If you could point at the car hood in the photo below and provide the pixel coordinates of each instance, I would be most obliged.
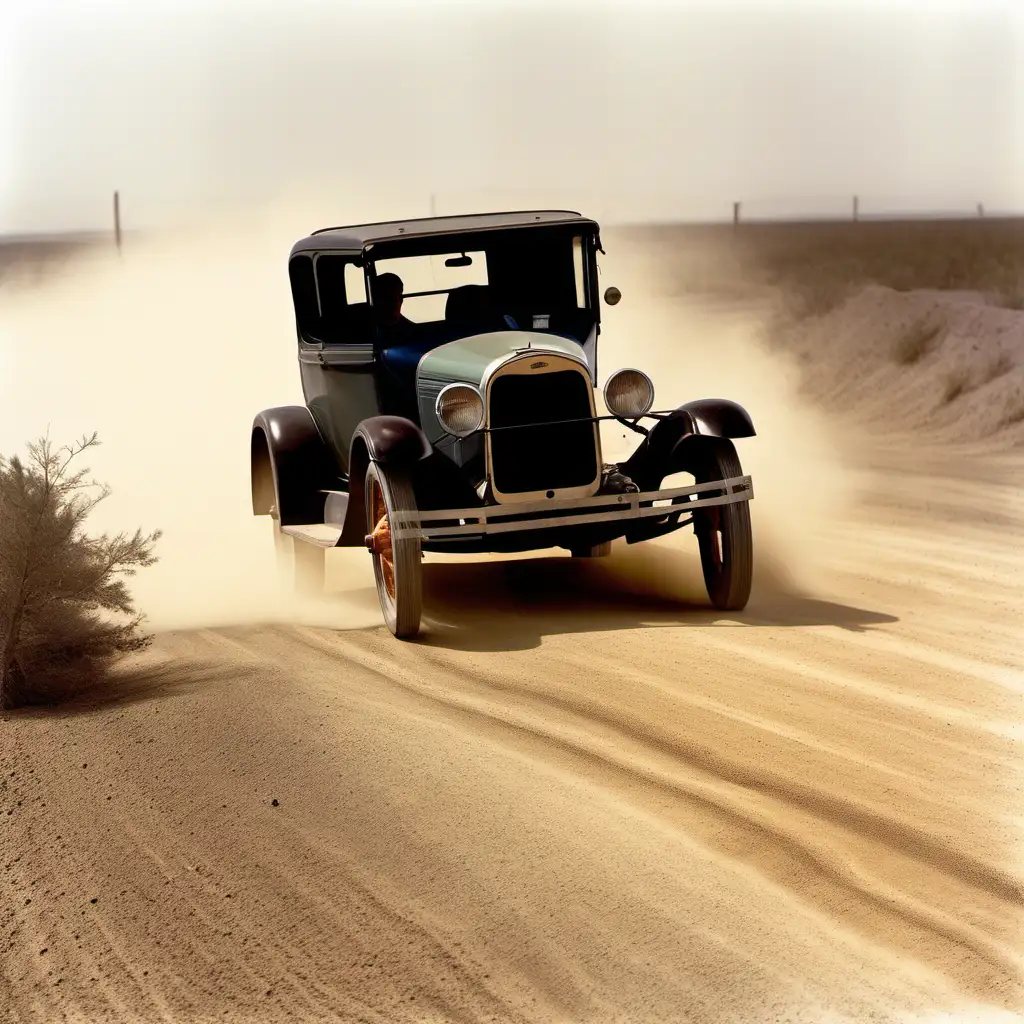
(471, 361)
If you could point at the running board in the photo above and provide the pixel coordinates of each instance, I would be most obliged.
(335, 508)
(323, 535)
(328, 533)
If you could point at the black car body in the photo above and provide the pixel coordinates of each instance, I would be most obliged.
(471, 423)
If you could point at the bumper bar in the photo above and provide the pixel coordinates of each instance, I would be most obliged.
(543, 515)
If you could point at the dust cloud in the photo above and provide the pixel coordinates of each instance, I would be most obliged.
(799, 462)
(169, 349)
(568, 802)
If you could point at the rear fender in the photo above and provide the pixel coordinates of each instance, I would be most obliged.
(291, 466)
(389, 441)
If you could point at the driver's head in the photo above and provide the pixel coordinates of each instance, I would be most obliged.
(387, 299)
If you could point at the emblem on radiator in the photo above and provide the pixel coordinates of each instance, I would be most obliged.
(537, 366)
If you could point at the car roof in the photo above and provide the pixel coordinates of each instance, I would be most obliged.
(355, 238)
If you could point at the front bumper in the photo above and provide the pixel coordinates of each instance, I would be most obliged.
(470, 523)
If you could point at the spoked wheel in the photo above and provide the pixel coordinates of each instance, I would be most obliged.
(300, 565)
(397, 562)
(723, 531)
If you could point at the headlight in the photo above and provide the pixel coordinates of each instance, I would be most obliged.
(629, 394)
(460, 408)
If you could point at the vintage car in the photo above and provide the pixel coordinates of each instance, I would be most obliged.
(449, 368)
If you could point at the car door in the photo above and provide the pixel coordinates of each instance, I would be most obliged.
(336, 361)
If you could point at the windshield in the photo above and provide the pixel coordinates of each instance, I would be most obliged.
(530, 275)
(534, 278)
(427, 280)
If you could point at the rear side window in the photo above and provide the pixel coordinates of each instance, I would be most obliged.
(355, 283)
(341, 297)
(304, 297)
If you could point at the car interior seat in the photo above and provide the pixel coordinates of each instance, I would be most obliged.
(467, 302)
(356, 325)
(468, 308)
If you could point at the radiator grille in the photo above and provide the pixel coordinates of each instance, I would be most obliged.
(548, 457)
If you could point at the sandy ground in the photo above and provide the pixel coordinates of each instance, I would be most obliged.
(577, 804)
(582, 796)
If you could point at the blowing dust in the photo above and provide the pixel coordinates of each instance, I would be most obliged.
(802, 474)
(168, 351)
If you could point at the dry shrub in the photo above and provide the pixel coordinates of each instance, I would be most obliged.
(65, 610)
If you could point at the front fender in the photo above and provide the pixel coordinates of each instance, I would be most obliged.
(390, 441)
(659, 454)
(715, 417)
(291, 466)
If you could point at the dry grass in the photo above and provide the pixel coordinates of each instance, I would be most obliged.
(816, 265)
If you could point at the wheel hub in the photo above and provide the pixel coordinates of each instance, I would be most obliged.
(710, 525)
(379, 543)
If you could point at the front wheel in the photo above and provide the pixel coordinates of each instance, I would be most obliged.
(397, 562)
(723, 531)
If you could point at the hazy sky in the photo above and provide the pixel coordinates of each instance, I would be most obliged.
(629, 109)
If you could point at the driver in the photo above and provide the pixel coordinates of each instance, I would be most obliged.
(387, 307)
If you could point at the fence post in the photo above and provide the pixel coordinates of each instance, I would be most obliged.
(856, 207)
(981, 209)
(735, 214)
(117, 219)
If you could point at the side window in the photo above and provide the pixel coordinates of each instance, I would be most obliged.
(341, 293)
(579, 268)
(304, 297)
(355, 284)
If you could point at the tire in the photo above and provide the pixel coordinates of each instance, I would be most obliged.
(723, 531)
(300, 565)
(400, 579)
(597, 551)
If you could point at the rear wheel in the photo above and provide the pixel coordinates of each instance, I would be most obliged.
(723, 531)
(596, 551)
(397, 563)
(301, 566)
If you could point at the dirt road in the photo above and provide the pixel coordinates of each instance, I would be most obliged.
(590, 800)
(582, 796)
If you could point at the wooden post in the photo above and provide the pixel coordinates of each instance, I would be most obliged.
(856, 207)
(117, 219)
(735, 214)
(981, 209)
